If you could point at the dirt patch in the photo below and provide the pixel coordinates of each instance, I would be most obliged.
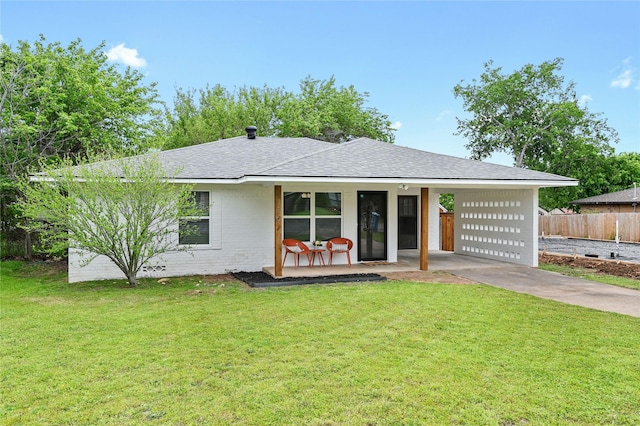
(427, 277)
(202, 292)
(216, 279)
(42, 268)
(205, 280)
(602, 266)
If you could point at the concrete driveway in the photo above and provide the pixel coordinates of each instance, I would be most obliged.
(545, 284)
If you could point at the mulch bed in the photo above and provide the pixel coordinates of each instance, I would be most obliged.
(262, 279)
(603, 266)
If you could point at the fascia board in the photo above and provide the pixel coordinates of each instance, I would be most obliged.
(37, 178)
(442, 183)
(205, 181)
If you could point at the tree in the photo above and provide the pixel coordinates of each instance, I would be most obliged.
(218, 113)
(530, 114)
(535, 117)
(624, 171)
(447, 201)
(580, 161)
(124, 209)
(323, 111)
(597, 174)
(320, 111)
(60, 101)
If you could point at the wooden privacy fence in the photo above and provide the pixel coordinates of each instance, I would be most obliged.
(600, 226)
(446, 223)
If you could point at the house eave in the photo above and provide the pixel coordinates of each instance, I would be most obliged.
(196, 181)
(417, 182)
(609, 203)
(435, 183)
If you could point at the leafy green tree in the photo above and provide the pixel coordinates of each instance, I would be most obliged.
(62, 101)
(125, 209)
(624, 171)
(530, 114)
(216, 113)
(535, 117)
(326, 112)
(320, 111)
(582, 162)
(447, 201)
(598, 175)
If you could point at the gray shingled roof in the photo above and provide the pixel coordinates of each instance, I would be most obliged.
(236, 157)
(240, 157)
(627, 196)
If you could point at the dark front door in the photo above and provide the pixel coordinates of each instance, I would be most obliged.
(407, 222)
(372, 225)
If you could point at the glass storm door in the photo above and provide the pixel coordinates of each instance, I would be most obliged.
(372, 225)
(407, 222)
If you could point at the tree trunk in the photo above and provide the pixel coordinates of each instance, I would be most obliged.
(28, 246)
(520, 156)
(133, 280)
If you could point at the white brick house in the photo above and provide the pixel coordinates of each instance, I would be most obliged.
(384, 197)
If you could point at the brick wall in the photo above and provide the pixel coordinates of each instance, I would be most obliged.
(499, 225)
(241, 235)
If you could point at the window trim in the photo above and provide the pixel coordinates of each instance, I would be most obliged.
(312, 216)
(208, 218)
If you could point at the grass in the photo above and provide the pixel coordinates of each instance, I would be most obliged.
(197, 351)
(590, 275)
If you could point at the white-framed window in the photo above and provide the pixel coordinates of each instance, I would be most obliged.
(312, 215)
(196, 230)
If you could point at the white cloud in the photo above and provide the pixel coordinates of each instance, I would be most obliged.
(444, 114)
(623, 80)
(626, 76)
(396, 125)
(126, 55)
(584, 99)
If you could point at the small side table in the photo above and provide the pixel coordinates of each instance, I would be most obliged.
(316, 250)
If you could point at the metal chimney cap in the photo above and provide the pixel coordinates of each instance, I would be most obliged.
(251, 132)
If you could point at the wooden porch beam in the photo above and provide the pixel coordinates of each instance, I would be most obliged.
(424, 229)
(277, 226)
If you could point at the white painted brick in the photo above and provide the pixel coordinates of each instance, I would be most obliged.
(242, 224)
(500, 225)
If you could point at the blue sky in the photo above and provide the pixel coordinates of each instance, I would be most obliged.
(407, 55)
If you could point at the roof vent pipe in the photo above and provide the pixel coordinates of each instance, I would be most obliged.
(251, 132)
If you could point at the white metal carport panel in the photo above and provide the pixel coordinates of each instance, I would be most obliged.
(498, 225)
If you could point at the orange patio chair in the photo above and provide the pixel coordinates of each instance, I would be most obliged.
(339, 245)
(295, 247)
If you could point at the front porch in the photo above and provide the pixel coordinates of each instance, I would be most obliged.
(408, 260)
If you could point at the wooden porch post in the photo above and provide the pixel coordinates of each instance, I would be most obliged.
(277, 215)
(424, 229)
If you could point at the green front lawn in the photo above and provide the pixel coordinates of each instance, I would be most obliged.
(196, 351)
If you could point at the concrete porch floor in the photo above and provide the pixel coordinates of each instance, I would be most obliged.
(408, 260)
